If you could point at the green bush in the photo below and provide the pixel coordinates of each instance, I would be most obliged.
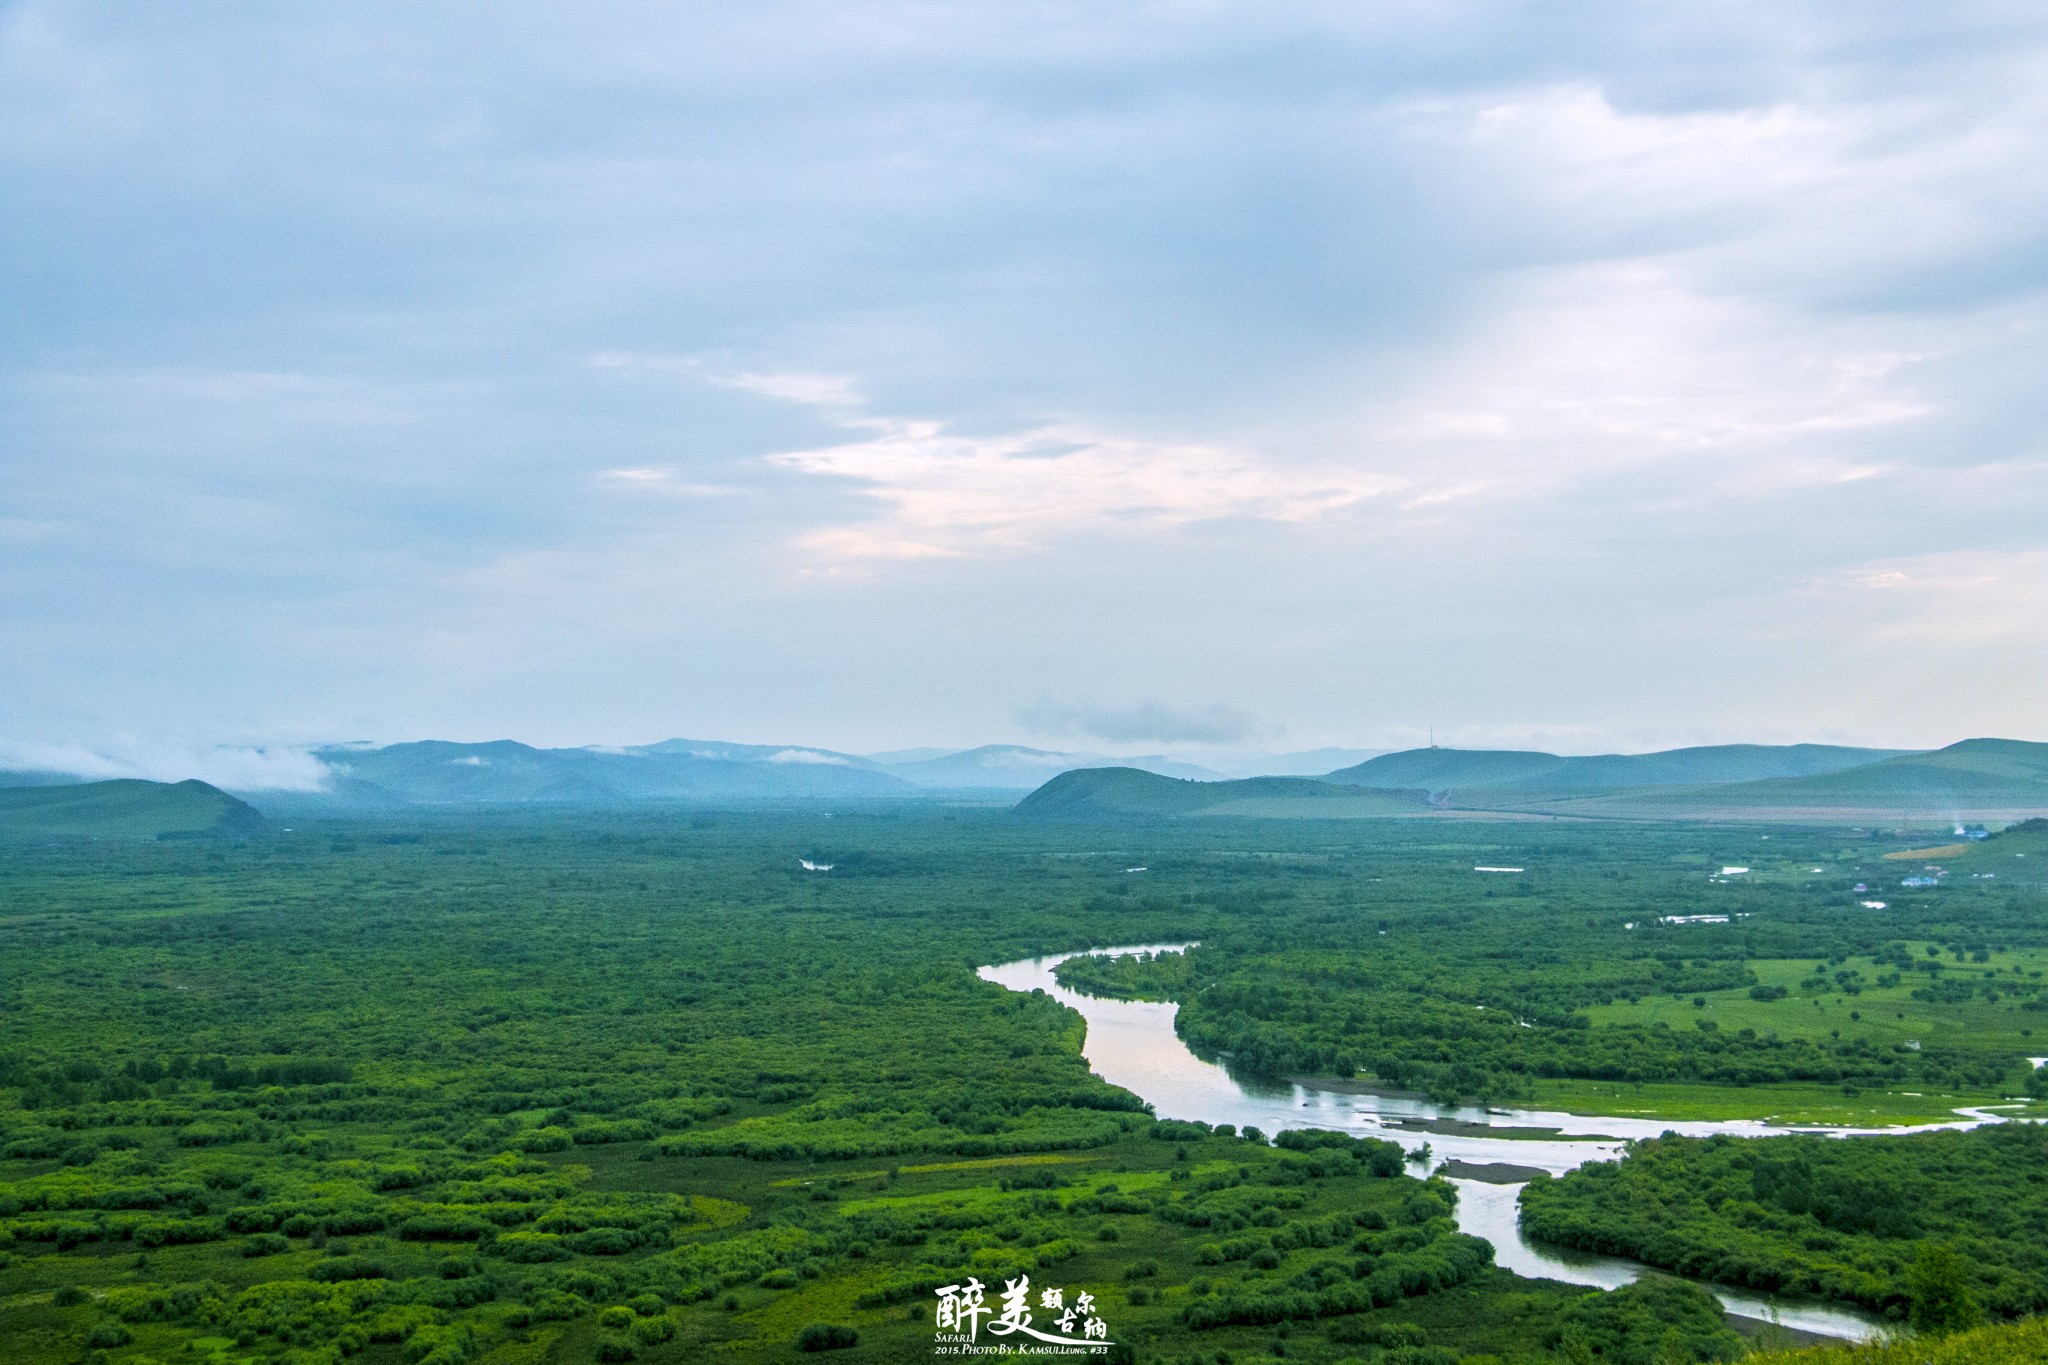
(544, 1140)
(265, 1244)
(108, 1333)
(654, 1331)
(530, 1248)
(826, 1336)
(338, 1268)
(603, 1242)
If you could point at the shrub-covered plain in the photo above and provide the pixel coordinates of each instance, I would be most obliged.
(642, 1087)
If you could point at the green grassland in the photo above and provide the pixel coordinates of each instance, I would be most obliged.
(1789, 1105)
(1816, 1006)
(1887, 1015)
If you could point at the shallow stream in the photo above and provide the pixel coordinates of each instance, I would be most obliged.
(1131, 1043)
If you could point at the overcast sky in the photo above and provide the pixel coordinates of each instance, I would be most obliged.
(1590, 377)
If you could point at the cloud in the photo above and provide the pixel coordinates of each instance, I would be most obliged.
(1968, 597)
(232, 767)
(805, 756)
(812, 390)
(533, 377)
(1148, 722)
(668, 481)
(944, 493)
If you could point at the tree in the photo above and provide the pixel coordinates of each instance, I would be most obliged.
(1939, 1286)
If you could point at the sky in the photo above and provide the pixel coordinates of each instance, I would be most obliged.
(1141, 375)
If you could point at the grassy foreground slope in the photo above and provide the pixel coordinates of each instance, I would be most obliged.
(126, 808)
(2023, 1343)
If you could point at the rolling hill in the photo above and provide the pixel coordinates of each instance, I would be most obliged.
(1491, 770)
(126, 808)
(1098, 793)
(1989, 779)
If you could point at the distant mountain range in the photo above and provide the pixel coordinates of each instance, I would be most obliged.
(364, 778)
(1494, 769)
(126, 808)
(1977, 779)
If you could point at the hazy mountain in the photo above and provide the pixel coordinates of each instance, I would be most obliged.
(746, 753)
(126, 808)
(1974, 775)
(1470, 770)
(38, 778)
(1017, 768)
(1300, 763)
(506, 772)
(1095, 793)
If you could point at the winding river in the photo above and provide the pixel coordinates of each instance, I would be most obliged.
(1131, 1043)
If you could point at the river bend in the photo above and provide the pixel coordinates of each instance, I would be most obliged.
(1131, 1044)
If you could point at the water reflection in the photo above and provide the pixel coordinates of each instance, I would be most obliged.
(1131, 1044)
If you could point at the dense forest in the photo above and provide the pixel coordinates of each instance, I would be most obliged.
(1820, 1217)
(528, 1089)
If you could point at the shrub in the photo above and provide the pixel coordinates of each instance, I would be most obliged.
(614, 1349)
(530, 1248)
(265, 1244)
(338, 1268)
(552, 1305)
(68, 1297)
(826, 1336)
(603, 1242)
(108, 1333)
(654, 1331)
(444, 1227)
(544, 1140)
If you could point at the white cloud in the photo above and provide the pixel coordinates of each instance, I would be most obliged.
(1959, 597)
(812, 390)
(233, 767)
(652, 479)
(944, 493)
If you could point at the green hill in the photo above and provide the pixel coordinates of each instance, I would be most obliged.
(1977, 778)
(124, 809)
(1097, 793)
(1495, 770)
